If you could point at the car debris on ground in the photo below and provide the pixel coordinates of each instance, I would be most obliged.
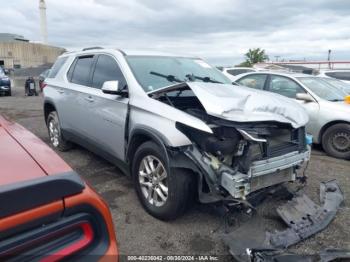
(303, 218)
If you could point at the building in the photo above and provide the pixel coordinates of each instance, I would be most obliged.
(18, 52)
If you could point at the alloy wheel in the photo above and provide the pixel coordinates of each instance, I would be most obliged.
(54, 133)
(153, 180)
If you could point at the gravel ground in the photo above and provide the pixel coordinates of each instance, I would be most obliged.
(199, 230)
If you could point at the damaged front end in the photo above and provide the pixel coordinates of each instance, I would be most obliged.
(264, 146)
(238, 162)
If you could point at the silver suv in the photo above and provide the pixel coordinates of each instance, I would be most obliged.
(176, 125)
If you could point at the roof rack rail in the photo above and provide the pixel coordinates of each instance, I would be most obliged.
(121, 51)
(91, 48)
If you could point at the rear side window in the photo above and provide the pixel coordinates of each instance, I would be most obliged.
(107, 69)
(339, 75)
(81, 71)
(57, 66)
(253, 81)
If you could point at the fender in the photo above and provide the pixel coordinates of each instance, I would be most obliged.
(145, 131)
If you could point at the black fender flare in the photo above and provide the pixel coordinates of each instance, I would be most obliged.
(150, 133)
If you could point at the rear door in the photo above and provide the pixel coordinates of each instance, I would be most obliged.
(79, 78)
(106, 113)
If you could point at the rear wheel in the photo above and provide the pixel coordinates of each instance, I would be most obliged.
(336, 141)
(164, 193)
(54, 128)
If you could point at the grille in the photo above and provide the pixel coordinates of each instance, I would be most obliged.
(279, 142)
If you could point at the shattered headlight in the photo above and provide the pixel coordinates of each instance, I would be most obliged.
(224, 141)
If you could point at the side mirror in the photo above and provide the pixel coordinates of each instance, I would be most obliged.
(110, 87)
(113, 88)
(304, 97)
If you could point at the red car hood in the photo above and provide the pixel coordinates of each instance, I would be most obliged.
(23, 156)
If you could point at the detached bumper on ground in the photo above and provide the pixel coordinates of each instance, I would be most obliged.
(303, 217)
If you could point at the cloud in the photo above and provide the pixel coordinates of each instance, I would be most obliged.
(219, 30)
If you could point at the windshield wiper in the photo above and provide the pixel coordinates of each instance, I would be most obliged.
(170, 78)
(192, 77)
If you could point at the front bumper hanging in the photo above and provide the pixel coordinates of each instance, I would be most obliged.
(303, 217)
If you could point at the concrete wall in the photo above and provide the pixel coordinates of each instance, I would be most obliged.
(27, 54)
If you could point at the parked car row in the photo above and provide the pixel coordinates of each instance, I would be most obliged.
(178, 126)
(5, 83)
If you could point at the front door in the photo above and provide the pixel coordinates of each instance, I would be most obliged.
(287, 87)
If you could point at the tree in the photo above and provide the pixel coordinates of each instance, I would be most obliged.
(254, 56)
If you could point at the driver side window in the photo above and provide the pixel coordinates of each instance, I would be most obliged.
(107, 69)
(284, 86)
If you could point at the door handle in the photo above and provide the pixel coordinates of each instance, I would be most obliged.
(89, 99)
(61, 91)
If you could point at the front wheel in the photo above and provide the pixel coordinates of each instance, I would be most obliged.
(55, 134)
(336, 141)
(162, 192)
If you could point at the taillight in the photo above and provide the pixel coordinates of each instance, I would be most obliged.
(43, 85)
(73, 247)
(54, 242)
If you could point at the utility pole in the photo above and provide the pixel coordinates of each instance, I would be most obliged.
(329, 58)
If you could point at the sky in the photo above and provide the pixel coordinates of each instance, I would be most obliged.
(221, 31)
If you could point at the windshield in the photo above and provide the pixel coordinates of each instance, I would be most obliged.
(155, 72)
(337, 83)
(323, 89)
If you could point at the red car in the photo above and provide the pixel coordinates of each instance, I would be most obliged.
(47, 212)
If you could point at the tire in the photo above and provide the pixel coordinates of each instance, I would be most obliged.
(55, 135)
(336, 141)
(9, 93)
(177, 182)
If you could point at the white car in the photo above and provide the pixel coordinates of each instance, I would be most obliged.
(328, 112)
(343, 75)
(233, 72)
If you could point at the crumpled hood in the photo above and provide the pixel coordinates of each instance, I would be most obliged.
(243, 104)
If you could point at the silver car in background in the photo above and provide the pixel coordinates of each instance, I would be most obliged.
(176, 124)
(329, 113)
